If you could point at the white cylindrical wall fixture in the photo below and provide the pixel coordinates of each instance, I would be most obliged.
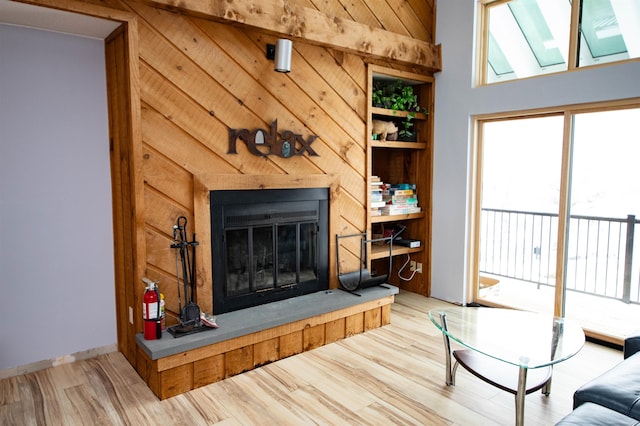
(282, 62)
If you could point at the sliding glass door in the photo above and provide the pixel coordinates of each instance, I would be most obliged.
(521, 175)
(601, 272)
(558, 196)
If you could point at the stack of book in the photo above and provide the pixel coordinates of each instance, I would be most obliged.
(400, 199)
(377, 202)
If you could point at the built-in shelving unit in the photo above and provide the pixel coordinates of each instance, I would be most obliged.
(400, 162)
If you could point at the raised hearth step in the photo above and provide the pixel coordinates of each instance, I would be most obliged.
(263, 317)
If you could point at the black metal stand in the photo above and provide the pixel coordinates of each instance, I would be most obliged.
(362, 278)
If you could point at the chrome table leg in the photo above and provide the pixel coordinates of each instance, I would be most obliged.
(447, 349)
(520, 395)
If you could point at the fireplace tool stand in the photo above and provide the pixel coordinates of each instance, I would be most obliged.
(362, 278)
(186, 267)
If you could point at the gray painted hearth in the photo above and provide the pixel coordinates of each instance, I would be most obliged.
(263, 317)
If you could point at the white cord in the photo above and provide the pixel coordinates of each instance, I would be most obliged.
(402, 268)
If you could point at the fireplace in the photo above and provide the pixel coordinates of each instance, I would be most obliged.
(268, 245)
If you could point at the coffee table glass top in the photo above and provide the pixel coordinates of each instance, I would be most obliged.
(524, 339)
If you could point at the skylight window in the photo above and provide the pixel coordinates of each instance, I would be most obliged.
(532, 37)
(497, 59)
(525, 38)
(535, 27)
(610, 29)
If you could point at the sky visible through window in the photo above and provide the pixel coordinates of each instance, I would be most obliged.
(522, 160)
(521, 164)
(606, 175)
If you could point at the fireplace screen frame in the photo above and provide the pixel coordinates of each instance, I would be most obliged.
(253, 209)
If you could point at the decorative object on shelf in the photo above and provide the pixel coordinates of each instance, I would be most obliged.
(280, 53)
(398, 96)
(384, 130)
(261, 142)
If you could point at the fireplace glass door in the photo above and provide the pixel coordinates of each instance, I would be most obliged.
(257, 261)
(268, 245)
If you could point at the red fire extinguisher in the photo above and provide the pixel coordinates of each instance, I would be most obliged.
(151, 311)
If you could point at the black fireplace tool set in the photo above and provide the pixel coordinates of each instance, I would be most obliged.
(191, 318)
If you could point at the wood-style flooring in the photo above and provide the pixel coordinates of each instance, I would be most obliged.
(393, 375)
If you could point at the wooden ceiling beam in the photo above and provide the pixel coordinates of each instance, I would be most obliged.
(284, 19)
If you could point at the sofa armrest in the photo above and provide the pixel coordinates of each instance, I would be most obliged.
(632, 344)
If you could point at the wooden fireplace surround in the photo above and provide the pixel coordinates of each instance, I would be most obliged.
(203, 185)
(194, 361)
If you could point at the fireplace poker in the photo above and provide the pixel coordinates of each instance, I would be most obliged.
(175, 245)
(190, 313)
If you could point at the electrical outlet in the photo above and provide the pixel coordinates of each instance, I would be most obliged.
(419, 267)
(130, 314)
(412, 266)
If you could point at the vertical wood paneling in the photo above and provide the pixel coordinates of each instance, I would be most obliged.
(116, 84)
(266, 352)
(335, 330)
(291, 344)
(238, 360)
(313, 337)
(372, 319)
(176, 381)
(354, 324)
(385, 315)
(208, 370)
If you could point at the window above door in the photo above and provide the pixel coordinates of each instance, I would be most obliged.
(526, 38)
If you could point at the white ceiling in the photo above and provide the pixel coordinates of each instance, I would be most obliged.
(44, 18)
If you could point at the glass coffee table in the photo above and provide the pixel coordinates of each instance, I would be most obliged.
(501, 346)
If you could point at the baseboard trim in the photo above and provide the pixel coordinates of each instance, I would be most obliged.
(54, 362)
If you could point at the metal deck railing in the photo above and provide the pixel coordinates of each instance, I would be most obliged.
(603, 257)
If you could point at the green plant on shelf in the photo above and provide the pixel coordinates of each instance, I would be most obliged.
(407, 133)
(398, 96)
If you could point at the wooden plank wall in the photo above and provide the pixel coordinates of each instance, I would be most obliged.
(198, 78)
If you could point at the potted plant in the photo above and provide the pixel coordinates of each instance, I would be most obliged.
(398, 96)
(383, 94)
(406, 132)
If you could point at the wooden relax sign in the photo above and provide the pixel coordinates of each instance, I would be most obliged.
(263, 143)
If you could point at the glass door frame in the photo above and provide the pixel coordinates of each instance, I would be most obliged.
(475, 189)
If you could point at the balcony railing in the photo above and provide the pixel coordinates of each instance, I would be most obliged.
(602, 253)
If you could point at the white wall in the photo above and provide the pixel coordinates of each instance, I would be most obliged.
(457, 101)
(57, 293)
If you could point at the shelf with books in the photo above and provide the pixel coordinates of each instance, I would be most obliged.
(393, 161)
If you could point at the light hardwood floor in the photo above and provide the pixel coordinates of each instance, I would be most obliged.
(391, 375)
